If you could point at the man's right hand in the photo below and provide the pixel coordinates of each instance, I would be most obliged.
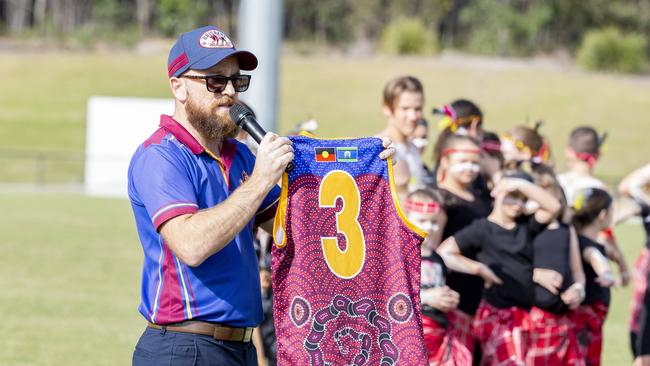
(273, 155)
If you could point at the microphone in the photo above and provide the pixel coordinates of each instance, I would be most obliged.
(245, 119)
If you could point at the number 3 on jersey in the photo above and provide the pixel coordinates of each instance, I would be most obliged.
(349, 262)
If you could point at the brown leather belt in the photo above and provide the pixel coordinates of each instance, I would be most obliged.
(217, 331)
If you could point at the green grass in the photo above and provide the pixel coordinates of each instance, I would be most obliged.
(71, 275)
(70, 280)
(44, 100)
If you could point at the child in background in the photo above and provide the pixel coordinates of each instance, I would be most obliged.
(491, 158)
(461, 118)
(420, 139)
(636, 186)
(524, 147)
(593, 213)
(503, 245)
(422, 208)
(462, 203)
(559, 286)
(582, 154)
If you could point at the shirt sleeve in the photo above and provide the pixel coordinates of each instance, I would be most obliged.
(162, 183)
(469, 238)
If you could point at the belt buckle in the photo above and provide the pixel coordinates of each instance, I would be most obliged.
(248, 334)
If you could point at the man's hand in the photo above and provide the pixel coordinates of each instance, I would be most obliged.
(441, 298)
(273, 155)
(389, 151)
(549, 279)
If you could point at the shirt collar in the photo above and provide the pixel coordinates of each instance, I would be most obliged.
(181, 134)
(228, 148)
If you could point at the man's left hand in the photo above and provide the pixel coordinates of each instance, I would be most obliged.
(389, 151)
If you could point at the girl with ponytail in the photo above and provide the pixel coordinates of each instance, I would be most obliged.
(592, 213)
(523, 145)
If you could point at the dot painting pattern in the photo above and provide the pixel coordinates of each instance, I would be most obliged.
(400, 308)
(300, 311)
(322, 319)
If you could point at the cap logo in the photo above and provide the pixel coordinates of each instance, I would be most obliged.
(215, 39)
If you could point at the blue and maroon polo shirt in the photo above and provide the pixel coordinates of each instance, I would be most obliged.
(171, 174)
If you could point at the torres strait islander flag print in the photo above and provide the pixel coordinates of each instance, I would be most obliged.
(346, 262)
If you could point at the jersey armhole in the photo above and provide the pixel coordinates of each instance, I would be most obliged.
(279, 223)
(398, 207)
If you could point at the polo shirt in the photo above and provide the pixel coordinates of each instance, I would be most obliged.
(171, 174)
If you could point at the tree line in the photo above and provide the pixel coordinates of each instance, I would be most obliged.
(502, 27)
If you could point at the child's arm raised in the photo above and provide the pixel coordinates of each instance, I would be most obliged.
(549, 206)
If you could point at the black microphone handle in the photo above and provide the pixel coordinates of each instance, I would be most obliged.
(257, 133)
(254, 129)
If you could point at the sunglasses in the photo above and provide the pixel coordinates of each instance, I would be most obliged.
(218, 83)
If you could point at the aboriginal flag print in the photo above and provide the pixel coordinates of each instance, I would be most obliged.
(325, 154)
(346, 263)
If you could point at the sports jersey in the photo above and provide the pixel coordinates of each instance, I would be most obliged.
(346, 262)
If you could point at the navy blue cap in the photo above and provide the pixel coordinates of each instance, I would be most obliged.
(203, 48)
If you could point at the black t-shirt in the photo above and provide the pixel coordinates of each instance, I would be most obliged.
(434, 273)
(645, 217)
(509, 254)
(551, 251)
(461, 213)
(642, 342)
(593, 291)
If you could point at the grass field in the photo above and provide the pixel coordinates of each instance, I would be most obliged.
(70, 279)
(71, 268)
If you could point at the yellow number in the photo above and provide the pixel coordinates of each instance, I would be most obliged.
(343, 263)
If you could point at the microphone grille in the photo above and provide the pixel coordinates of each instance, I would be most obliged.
(238, 112)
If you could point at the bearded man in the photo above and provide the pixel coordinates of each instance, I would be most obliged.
(196, 195)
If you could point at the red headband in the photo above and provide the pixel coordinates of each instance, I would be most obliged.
(450, 151)
(421, 207)
(588, 158)
(542, 154)
(491, 146)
